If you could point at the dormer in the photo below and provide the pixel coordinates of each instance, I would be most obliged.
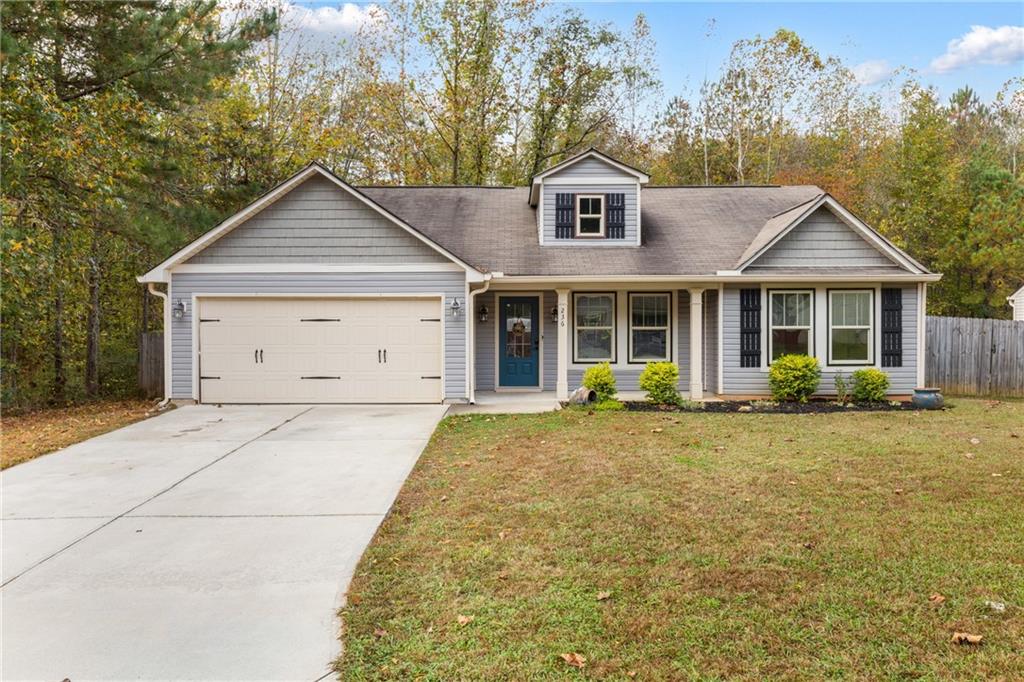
(588, 200)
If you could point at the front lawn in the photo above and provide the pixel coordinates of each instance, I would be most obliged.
(701, 546)
(28, 435)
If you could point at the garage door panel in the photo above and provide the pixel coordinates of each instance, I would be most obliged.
(305, 340)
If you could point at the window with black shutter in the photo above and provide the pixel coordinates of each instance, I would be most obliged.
(565, 215)
(616, 216)
(750, 327)
(892, 328)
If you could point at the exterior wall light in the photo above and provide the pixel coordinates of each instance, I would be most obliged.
(554, 314)
(456, 308)
(482, 313)
(178, 311)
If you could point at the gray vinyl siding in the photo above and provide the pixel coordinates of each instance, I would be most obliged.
(590, 168)
(581, 171)
(450, 284)
(823, 240)
(627, 376)
(318, 222)
(710, 348)
(753, 381)
(549, 213)
(485, 340)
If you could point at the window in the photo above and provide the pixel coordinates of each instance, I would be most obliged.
(595, 327)
(589, 216)
(789, 323)
(851, 337)
(649, 336)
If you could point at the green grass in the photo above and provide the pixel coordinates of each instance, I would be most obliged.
(734, 546)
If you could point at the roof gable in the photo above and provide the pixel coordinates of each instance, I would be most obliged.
(314, 170)
(591, 163)
(782, 241)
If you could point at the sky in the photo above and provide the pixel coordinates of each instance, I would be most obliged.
(948, 45)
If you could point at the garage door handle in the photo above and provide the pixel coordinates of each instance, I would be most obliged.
(378, 356)
(385, 356)
(319, 377)
(437, 377)
(261, 356)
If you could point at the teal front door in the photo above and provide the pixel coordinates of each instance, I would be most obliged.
(519, 337)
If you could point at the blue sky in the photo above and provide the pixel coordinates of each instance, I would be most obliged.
(872, 38)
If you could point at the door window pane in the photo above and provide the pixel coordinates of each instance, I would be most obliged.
(518, 330)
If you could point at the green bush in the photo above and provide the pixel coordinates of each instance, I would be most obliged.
(601, 381)
(842, 389)
(609, 406)
(661, 381)
(870, 385)
(794, 377)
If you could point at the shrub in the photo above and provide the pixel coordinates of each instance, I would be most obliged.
(794, 377)
(600, 380)
(661, 381)
(842, 389)
(870, 385)
(609, 406)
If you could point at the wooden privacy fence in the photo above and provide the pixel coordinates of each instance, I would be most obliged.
(969, 356)
(151, 364)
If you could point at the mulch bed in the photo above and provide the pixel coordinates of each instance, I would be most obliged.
(765, 407)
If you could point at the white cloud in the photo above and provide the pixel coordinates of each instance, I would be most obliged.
(871, 72)
(982, 45)
(346, 18)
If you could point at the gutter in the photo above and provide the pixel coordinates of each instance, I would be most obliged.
(725, 279)
(151, 288)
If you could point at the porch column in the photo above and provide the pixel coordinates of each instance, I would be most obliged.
(562, 329)
(696, 344)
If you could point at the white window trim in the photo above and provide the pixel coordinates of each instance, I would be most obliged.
(771, 327)
(870, 360)
(630, 328)
(576, 328)
(590, 235)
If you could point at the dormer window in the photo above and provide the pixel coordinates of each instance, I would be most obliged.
(589, 216)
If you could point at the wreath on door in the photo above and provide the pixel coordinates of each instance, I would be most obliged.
(518, 327)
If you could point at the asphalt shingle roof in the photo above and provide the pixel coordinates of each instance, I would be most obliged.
(686, 230)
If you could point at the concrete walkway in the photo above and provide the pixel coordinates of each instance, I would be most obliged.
(206, 543)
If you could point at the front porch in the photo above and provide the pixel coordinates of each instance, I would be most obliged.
(531, 347)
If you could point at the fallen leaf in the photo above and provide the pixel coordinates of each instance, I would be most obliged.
(380, 632)
(464, 620)
(601, 596)
(936, 598)
(631, 673)
(969, 455)
(575, 660)
(898, 491)
(658, 430)
(503, 576)
(997, 475)
(975, 441)
(630, 433)
(444, 498)
(501, 535)
(965, 638)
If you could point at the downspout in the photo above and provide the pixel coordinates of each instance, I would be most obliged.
(471, 314)
(167, 343)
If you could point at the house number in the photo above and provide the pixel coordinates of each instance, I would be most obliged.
(561, 315)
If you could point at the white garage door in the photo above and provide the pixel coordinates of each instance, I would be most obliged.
(322, 350)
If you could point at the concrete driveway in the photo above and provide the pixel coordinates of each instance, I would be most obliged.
(206, 543)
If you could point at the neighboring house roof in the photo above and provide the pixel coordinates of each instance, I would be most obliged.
(1019, 294)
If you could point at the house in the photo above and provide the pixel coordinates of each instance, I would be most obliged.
(324, 292)
(1017, 303)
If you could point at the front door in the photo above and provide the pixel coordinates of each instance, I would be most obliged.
(519, 339)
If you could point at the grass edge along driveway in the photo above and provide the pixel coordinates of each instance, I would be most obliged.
(668, 546)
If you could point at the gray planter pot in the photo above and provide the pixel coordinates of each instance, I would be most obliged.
(927, 399)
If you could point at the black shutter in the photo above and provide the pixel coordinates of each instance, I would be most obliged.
(616, 216)
(565, 215)
(750, 327)
(892, 327)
